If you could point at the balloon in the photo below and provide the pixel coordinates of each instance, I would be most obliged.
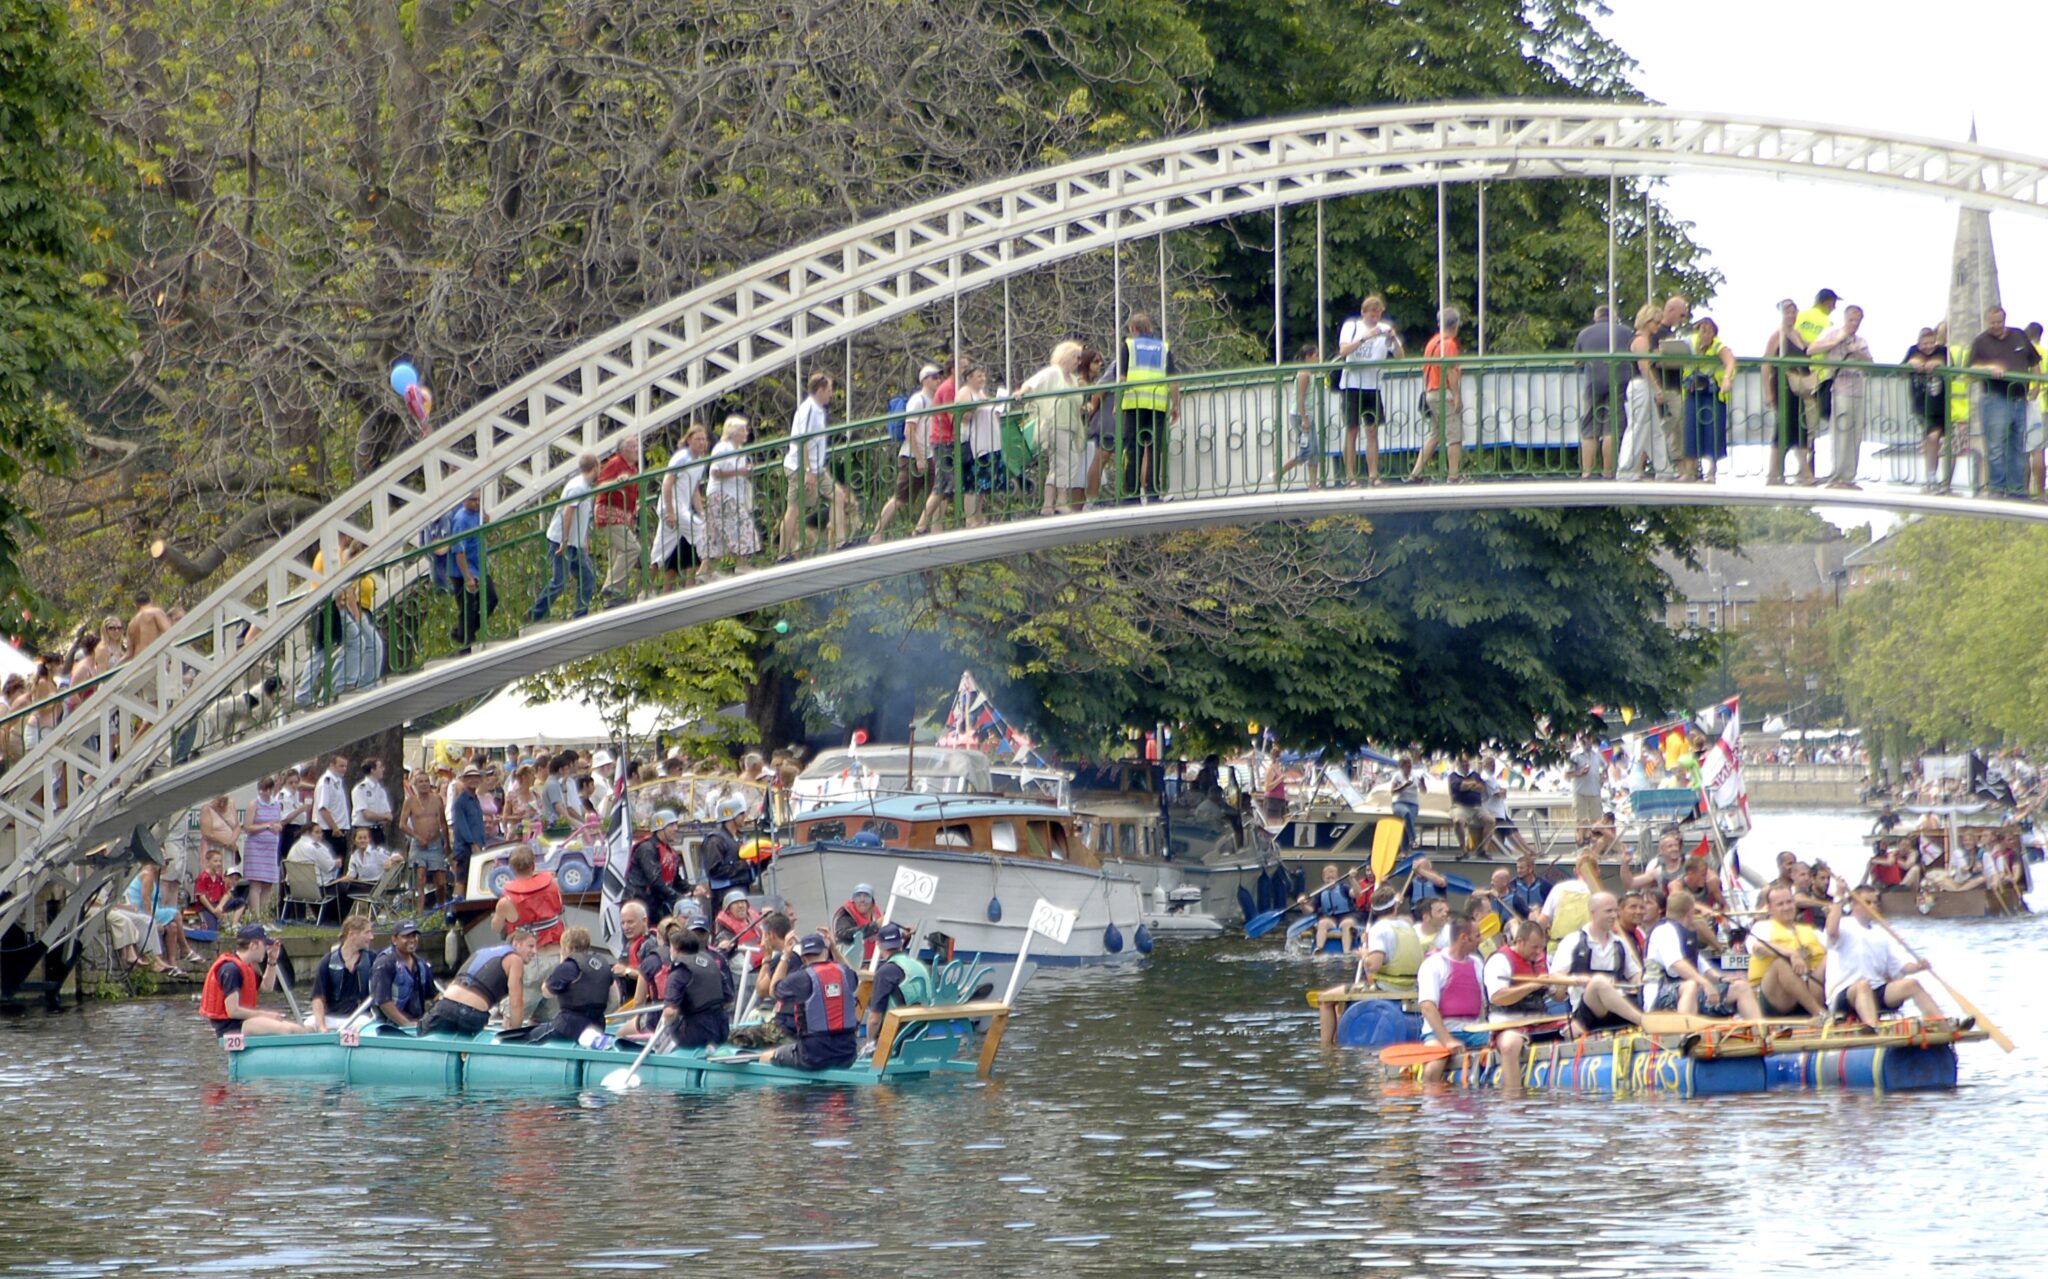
(860, 737)
(782, 626)
(419, 400)
(404, 377)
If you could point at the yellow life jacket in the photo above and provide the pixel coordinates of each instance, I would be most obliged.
(1959, 387)
(1398, 972)
(1573, 910)
(1780, 937)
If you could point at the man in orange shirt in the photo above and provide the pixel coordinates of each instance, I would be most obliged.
(1443, 402)
(617, 512)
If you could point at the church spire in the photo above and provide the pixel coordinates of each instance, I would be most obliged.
(1973, 270)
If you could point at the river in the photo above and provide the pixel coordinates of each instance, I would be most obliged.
(1175, 1118)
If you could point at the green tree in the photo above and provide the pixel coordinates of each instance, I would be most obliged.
(690, 674)
(56, 325)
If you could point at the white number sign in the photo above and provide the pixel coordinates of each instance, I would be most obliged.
(915, 885)
(1052, 922)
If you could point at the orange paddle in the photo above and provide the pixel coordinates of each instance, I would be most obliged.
(1402, 1055)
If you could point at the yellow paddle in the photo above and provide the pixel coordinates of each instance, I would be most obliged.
(1998, 1036)
(1386, 847)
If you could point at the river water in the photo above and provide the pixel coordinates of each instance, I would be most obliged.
(1175, 1118)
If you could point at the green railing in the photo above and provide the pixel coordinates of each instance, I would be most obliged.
(1237, 432)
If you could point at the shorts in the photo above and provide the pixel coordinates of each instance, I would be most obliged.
(226, 1026)
(2035, 437)
(990, 476)
(1597, 417)
(1585, 809)
(449, 1017)
(793, 1056)
(1363, 405)
(681, 559)
(1667, 1002)
(910, 486)
(1471, 1037)
(948, 464)
(430, 857)
(1594, 1023)
(846, 469)
(1773, 1009)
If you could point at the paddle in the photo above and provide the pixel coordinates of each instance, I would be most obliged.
(1685, 1023)
(1264, 924)
(629, 1077)
(1998, 1036)
(1386, 846)
(1404, 1055)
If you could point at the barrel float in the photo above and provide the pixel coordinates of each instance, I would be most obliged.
(1375, 1023)
(1888, 1069)
(1668, 1073)
(395, 1058)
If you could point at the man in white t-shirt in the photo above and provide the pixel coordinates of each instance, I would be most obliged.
(1585, 771)
(912, 467)
(569, 541)
(1450, 991)
(1867, 971)
(1675, 981)
(1365, 340)
(810, 438)
(1599, 962)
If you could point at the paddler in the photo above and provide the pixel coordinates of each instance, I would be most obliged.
(901, 978)
(1526, 955)
(1598, 962)
(582, 985)
(655, 867)
(1787, 959)
(342, 981)
(738, 923)
(401, 979)
(856, 921)
(228, 999)
(1675, 981)
(494, 975)
(822, 994)
(1432, 918)
(1451, 990)
(1868, 972)
(638, 972)
(694, 1004)
(1333, 907)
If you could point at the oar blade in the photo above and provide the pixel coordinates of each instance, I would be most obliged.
(1386, 846)
(1260, 925)
(1402, 1055)
(624, 1079)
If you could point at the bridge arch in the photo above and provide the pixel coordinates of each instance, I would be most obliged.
(520, 443)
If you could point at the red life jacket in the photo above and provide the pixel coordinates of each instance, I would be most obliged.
(863, 921)
(742, 930)
(1521, 967)
(537, 899)
(670, 862)
(830, 1005)
(213, 1001)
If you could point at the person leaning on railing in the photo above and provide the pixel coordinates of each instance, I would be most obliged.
(1789, 398)
(1845, 349)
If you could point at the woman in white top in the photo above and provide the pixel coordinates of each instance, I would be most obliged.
(679, 524)
(729, 530)
(981, 428)
(1365, 340)
(1060, 436)
(1846, 349)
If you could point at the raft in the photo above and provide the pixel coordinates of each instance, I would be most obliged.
(916, 1044)
(1903, 1056)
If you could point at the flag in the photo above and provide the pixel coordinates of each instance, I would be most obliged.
(1724, 762)
(618, 855)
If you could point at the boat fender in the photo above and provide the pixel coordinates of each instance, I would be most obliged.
(995, 910)
(1245, 902)
(1113, 939)
(1144, 940)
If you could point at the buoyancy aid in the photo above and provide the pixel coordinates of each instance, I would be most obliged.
(1580, 961)
(1399, 970)
(590, 990)
(1464, 994)
(538, 900)
(695, 980)
(829, 1005)
(1573, 910)
(485, 973)
(1785, 940)
(863, 926)
(1331, 900)
(213, 1000)
(916, 986)
(410, 986)
(1521, 969)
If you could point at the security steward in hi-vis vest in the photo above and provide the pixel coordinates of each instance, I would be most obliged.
(1812, 322)
(1144, 408)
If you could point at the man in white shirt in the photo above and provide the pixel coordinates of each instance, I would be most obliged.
(1599, 962)
(330, 807)
(1674, 981)
(810, 436)
(369, 802)
(1868, 972)
(569, 541)
(602, 766)
(1585, 772)
(1365, 340)
(912, 471)
(1494, 773)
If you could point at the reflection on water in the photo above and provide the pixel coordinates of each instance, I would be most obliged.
(1180, 1116)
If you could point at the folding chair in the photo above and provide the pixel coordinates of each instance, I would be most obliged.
(302, 888)
(393, 889)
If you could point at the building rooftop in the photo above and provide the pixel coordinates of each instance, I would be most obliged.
(1764, 570)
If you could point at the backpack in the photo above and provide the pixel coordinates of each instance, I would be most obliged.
(897, 403)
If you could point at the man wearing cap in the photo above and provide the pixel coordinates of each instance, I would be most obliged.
(912, 466)
(494, 975)
(822, 993)
(1812, 322)
(466, 817)
(901, 978)
(228, 999)
(695, 989)
(654, 876)
(856, 921)
(401, 979)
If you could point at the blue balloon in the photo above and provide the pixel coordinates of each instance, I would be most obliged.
(404, 377)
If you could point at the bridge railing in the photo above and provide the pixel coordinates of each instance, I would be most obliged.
(1233, 432)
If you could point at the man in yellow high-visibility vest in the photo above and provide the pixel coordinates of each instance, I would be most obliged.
(1147, 405)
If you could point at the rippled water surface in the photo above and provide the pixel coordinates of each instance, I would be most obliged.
(1175, 1118)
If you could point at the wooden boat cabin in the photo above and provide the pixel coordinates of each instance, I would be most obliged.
(1004, 826)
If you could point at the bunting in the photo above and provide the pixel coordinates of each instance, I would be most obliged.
(972, 717)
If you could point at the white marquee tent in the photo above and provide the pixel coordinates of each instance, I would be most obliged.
(509, 719)
(15, 662)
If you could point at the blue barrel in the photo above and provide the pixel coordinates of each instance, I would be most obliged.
(1375, 1023)
(1890, 1069)
(398, 1059)
(1671, 1074)
(559, 1067)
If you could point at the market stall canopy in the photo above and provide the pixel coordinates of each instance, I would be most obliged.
(511, 719)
